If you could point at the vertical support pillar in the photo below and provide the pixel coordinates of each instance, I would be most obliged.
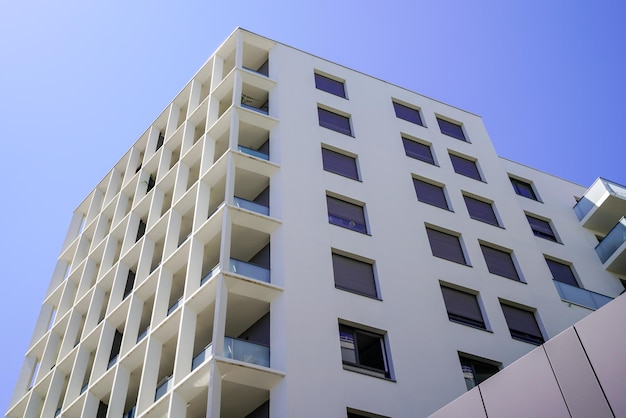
(214, 397)
(149, 375)
(119, 392)
(185, 343)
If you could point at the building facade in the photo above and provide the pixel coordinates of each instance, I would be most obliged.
(293, 238)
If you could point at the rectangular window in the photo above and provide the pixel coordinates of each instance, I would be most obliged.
(334, 121)
(541, 228)
(345, 214)
(463, 307)
(562, 273)
(354, 275)
(451, 129)
(446, 246)
(341, 164)
(363, 350)
(330, 85)
(481, 210)
(407, 113)
(465, 167)
(522, 325)
(500, 262)
(418, 151)
(475, 371)
(523, 189)
(430, 193)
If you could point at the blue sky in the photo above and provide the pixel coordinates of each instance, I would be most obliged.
(80, 81)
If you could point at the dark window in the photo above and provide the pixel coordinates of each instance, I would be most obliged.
(141, 230)
(481, 211)
(354, 275)
(330, 86)
(499, 262)
(465, 167)
(522, 325)
(462, 307)
(562, 273)
(431, 194)
(130, 283)
(339, 164)
(102, 410)
(445, 246)
(418, 151)
(347, 215)
(407, 113)
(160, 141)
(451, 129)
(353, 413)
(523, 189)
(475, 372)
(541, 228)
(334, 121)
(150, 184)
(364, 350)
(115, 347)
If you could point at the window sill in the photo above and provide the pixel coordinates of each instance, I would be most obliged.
(343, 175)
(339, 132)
(366, 372)
(470, 326)
(354, 292)
(351, 229)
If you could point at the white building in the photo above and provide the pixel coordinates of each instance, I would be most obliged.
(293, 238)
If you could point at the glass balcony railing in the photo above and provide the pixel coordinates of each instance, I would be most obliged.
(130, 413)
(143, 334)
(112, 362)
(253, 152)
(612, 241)
(57, 412)
(597, 194)
(201, 356)
(174, 305)
(251, 206)
(582, 297)
(210, 274)
(247, 351)
(250, 270)
(162, 387)
(263, 109)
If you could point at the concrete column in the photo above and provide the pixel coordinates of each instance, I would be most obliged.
(33, 407)
(51, 402)
(194, 95)
(214, 397)
(182, 365)
(119, 392)
(149, 375)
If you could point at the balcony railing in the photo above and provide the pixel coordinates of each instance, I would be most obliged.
(143, 334)
(263, 109)
(57, 412)
(130, 413)
(602, 205)
(247, 351)
(162, 387)
(251, 206)
(201, 356)
(174, 306)
(582, 297)
(612, 241)
(210, 274)
(250, 270)
(112, 362)
(253, 152)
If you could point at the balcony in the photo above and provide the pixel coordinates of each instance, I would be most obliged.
(250, 270)
(162, 387)
(602, 205)
(251, 206)
(201, 356)
(112, 362)
(247, 351)
(581, 297)
(612, 250)
(130, 413)
(254, 153)
(210, 274)
(143, 334)
(174, 306)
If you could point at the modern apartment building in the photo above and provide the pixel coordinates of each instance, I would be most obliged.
(293, 238)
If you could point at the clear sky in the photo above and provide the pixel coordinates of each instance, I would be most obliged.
(81, 80)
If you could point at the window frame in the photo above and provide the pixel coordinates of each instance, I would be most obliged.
(358, 366)
(566, 268)
(474, 173)
(347, 223)
(344, 173)
(416, 156)
(427, 193)
(471, 361)
(496, 219)
(520, 334)
(323, 78)
(332, 126)
(374, 290)
(460, 135)
(432, 229)
(540, 228)
(455, 312)
(496, 269)
(522, 186)
(405, 112)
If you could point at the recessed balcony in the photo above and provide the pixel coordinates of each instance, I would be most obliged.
(162, 387)
(247, 351)
(250, 270)
(581, 297)
(253, 152)
(612, 249)
(251, 206)
(602, 205)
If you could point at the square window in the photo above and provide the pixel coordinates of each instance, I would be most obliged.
(430, 193)
(523, 189)
(446, 246)
(476, 371)
(341, 164)
(345, 214)
(354, 275)
(541, 228)
(500, 262)
(481, 210)
(407, 113)
(451, 129)
(522, 324)
(465, 167)
(562, 273)
(463, 307)
(363, 351)
(418, 151)
(330, 85)
(334, 121)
